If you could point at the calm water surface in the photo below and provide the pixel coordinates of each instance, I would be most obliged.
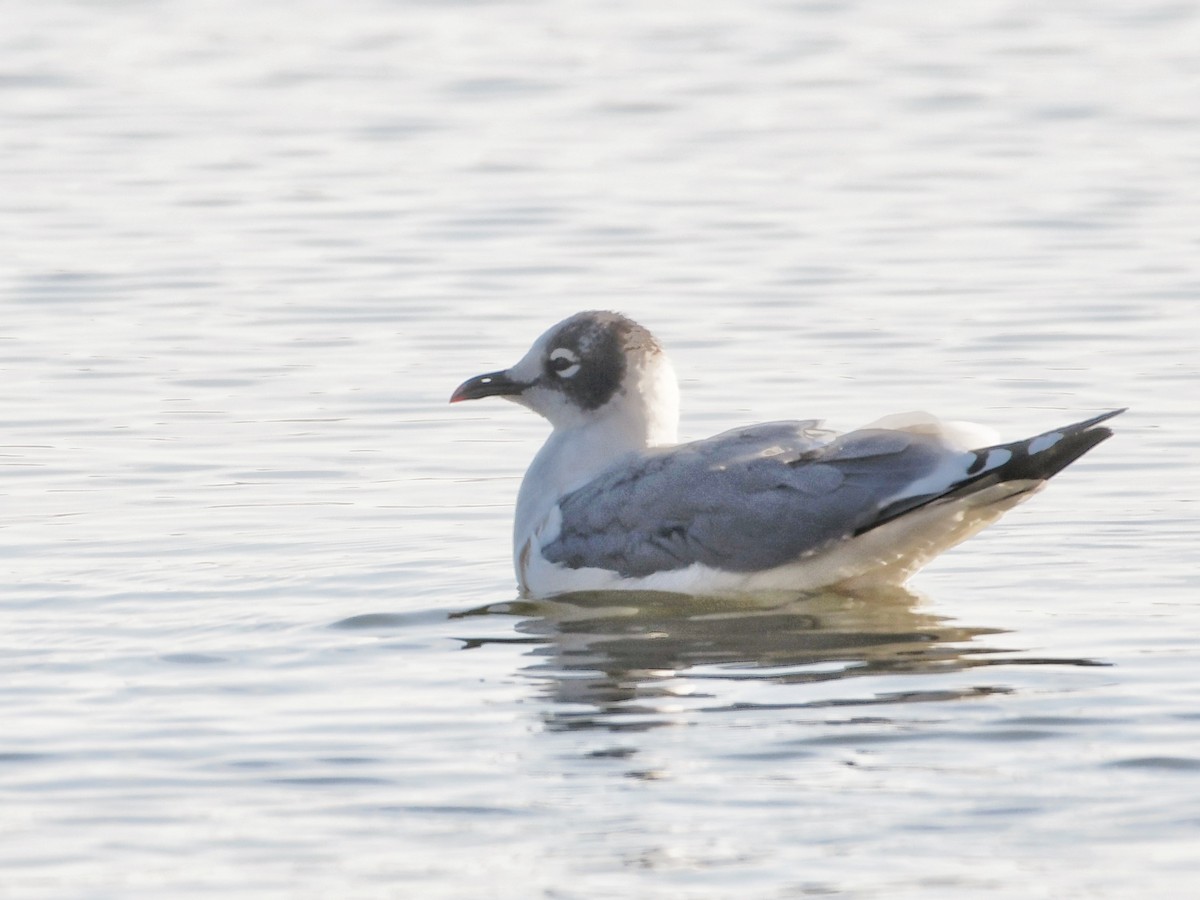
(259, 629)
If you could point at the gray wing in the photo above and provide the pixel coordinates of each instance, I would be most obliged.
(743, 501)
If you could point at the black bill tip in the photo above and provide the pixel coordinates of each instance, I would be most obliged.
(493, 384)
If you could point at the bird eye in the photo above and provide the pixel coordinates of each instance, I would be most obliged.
(563, 362)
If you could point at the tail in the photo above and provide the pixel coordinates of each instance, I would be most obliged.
(1026, 464)
(1036, 458)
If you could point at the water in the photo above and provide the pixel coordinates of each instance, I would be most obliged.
(260, 635)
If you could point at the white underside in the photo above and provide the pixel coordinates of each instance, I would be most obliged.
(889, 554)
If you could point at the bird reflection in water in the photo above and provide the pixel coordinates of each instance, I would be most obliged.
(634, 660)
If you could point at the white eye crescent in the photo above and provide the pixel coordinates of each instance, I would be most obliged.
(563, 362)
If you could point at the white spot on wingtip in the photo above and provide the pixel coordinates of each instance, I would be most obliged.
(998, 457)
(1044, 442)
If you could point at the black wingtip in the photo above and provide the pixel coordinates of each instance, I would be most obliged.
(1096, 420)
(1066, 445)
(1025, 461)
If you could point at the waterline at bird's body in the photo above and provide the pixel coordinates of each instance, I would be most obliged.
(612, 502)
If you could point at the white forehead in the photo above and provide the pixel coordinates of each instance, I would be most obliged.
(529, 367)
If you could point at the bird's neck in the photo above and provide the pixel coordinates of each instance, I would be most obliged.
(573, 456)
(577, 452)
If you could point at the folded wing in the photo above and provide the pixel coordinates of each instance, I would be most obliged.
(757, 498)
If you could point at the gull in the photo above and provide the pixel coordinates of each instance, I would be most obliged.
(613, 501)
